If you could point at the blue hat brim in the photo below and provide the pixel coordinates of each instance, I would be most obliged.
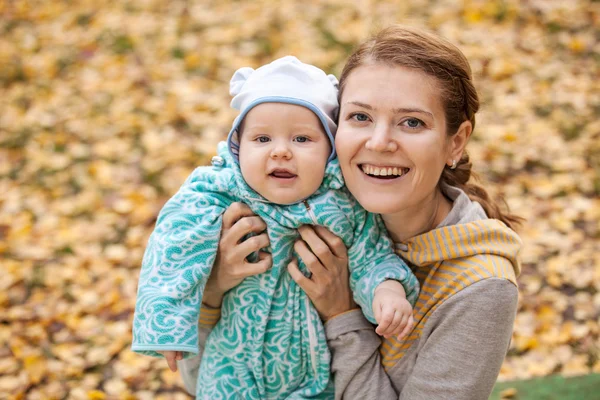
(234, 147)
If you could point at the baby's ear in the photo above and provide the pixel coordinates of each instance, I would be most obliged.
(239, 79)
(334, 80)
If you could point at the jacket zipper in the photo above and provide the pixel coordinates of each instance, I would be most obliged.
(312, 340)
(311, 214)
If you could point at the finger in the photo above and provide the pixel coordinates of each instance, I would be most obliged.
(252, 244)
(386, 318)
(408, 328)
(397, 323)
(298, 277)
(311, 261)
(337, 246)
(261, 266)
(235, 212)
(317, 246)
(402, 326)
(246, 225)
(391, 328)
(179, 355)
(171, 361)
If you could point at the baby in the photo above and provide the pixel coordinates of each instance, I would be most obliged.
(280, 160)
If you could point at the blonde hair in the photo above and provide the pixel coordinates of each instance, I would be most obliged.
(440, 59)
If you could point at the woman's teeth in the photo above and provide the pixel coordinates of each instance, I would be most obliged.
(383, 171)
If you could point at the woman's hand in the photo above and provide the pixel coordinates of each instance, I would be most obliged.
(231, 266)
(326, 257)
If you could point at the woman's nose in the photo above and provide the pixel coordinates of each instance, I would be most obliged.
(381, 140)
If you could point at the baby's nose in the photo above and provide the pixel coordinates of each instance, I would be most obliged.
(281, 151)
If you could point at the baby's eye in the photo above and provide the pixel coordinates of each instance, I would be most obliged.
(360, 117)
(262, 139)
(301, 139)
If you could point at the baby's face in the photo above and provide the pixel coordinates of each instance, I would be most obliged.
(283, 151)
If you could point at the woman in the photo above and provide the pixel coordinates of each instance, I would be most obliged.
(407, 111)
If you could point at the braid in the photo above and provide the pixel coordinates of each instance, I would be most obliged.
(460, 177)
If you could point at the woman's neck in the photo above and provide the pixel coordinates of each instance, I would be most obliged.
(418, 219)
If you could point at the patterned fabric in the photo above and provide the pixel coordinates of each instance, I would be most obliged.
(449, 259)
(269, 341)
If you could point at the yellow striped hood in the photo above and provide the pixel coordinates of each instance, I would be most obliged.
(449, 259)
(486, 237)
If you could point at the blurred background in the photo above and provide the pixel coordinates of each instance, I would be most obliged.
(107, 106)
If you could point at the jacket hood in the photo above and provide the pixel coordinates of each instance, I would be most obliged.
(480, 237)
(332, 180)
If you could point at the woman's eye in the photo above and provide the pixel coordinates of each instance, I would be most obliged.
(413, 123)
(360, 117)
(262, 139)
(301, 139)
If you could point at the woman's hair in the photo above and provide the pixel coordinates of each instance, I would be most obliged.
(436, 57)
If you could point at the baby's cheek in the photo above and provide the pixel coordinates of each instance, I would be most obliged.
(315, 181)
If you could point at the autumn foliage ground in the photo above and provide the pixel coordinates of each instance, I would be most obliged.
(106, 107)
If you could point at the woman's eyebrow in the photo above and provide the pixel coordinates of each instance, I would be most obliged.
(400, 110)
(411, 110)
(358, 103)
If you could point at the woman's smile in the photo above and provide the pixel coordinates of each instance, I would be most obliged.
(383, 172)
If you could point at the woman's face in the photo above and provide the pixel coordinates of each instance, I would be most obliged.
(391, 139)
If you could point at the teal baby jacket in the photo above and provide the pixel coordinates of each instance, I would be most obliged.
(270, 342)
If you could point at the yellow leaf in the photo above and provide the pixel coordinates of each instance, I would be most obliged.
(192, 60)
(116, 252)
(576, 45)
(35, 367)
(170, 378)
(473, 16)
(96, 395)
(547, 314)
(508, 393)
(11, 384)
(527, 343)
(577, 365)
(500, 69)
(115, 387)
(510, 137)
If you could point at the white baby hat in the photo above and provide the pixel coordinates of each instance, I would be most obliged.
(285, 80)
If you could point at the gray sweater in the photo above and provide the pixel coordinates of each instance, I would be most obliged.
(463, 335)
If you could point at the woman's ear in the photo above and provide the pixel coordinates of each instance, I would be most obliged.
(458, 141)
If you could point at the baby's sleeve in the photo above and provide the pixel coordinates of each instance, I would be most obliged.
(372, 260)
(176, 265)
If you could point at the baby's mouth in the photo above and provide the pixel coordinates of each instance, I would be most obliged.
(383, 172)
(282, 174)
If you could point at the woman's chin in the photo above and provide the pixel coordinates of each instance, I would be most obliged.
(379, 204)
